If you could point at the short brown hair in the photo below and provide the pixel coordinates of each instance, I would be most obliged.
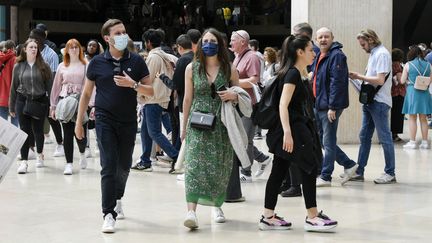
(106, 27)
(369, 34)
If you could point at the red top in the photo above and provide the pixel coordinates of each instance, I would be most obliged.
(322, 55)
(7, 62)
(397, 89)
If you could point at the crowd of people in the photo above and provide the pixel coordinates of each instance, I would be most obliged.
(203, 93)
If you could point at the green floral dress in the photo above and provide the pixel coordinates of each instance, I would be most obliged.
(209, 154)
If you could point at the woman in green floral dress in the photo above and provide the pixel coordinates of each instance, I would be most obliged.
(208, 157)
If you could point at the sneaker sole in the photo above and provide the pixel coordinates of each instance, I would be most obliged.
(109, 231)
(384, 183)
(265, 227)
(119, 216)
(220, 220)
(311, 228)
(191, 224)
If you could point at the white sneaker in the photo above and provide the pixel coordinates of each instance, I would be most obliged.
(68, 169)
(48, 140)
(59, 151)
(245, 179)
(411, 145)
(108, 224)
(191, 220)
(385, 179)
(31, 155)
(181, 177)
(40, 161)
(262, 167)
(322, 183)
(348, 174)
(88, 153)
(218, 215)
(22, 168)
(83, 161)
(425, 144)
(119, 210)
(164, 158)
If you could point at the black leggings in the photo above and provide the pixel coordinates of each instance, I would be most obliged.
(31, 126)
(55, 125)
(69, 134)
(279, 170)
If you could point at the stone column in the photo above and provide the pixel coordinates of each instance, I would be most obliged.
(346, 18)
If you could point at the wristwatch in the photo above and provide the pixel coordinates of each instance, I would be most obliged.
(135, 86)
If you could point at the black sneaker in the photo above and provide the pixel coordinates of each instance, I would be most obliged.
(139, 166)
(293, 191)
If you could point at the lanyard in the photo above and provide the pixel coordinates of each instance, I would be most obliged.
(241, 57)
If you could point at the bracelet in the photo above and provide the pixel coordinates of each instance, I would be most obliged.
(135, 86)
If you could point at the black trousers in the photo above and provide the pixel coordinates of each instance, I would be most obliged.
(69, 134)
(397, 118)
(31, 126)
(279, 170)
(56, 127)
(293, 176)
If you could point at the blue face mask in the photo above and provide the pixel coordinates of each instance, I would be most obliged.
(210, 49)
(121, 41)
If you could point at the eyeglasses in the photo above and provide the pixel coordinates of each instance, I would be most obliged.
(239, 35)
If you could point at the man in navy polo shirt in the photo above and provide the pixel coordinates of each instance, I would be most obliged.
(118, 76)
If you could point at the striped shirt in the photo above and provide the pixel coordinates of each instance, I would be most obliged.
(50, 57)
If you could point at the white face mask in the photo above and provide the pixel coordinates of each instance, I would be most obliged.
(120, 42)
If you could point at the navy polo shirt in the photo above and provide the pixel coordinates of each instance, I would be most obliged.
(112, 101)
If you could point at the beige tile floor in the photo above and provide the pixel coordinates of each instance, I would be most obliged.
(46, 206)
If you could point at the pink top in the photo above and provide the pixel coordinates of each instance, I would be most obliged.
(68, 80)
(248, 64)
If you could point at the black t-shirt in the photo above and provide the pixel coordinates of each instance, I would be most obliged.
(112, 101)
(295, 107)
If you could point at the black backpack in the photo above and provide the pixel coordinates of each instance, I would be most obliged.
(265, 113)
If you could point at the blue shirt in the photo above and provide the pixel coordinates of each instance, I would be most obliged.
(50, 57)
(380, 62)
(429, 57)
(112, 101)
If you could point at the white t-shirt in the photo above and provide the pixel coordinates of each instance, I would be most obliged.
(380, 62)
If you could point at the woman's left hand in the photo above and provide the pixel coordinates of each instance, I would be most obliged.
(227, 95)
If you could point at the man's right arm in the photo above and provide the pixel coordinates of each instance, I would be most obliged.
(82, 108)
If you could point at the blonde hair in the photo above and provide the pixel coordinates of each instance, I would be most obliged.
(369, 35)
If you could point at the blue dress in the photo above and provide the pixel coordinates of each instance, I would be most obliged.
(417, 101)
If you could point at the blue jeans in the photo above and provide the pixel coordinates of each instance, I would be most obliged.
(4, 113)
(328, 134)
(376, 115)
(116, 141)
(151, 131)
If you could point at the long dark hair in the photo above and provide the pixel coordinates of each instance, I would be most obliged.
(222, 54)
(289, 52)
(40, 63)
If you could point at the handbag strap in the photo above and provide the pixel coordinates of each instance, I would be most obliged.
(379, 86)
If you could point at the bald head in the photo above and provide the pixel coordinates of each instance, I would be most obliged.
(324, 39)
(324, 30)
(239, 41)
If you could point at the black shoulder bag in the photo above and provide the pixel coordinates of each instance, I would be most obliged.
(368, 92)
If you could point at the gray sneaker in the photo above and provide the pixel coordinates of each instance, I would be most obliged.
(349, 173)
(385, 179)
